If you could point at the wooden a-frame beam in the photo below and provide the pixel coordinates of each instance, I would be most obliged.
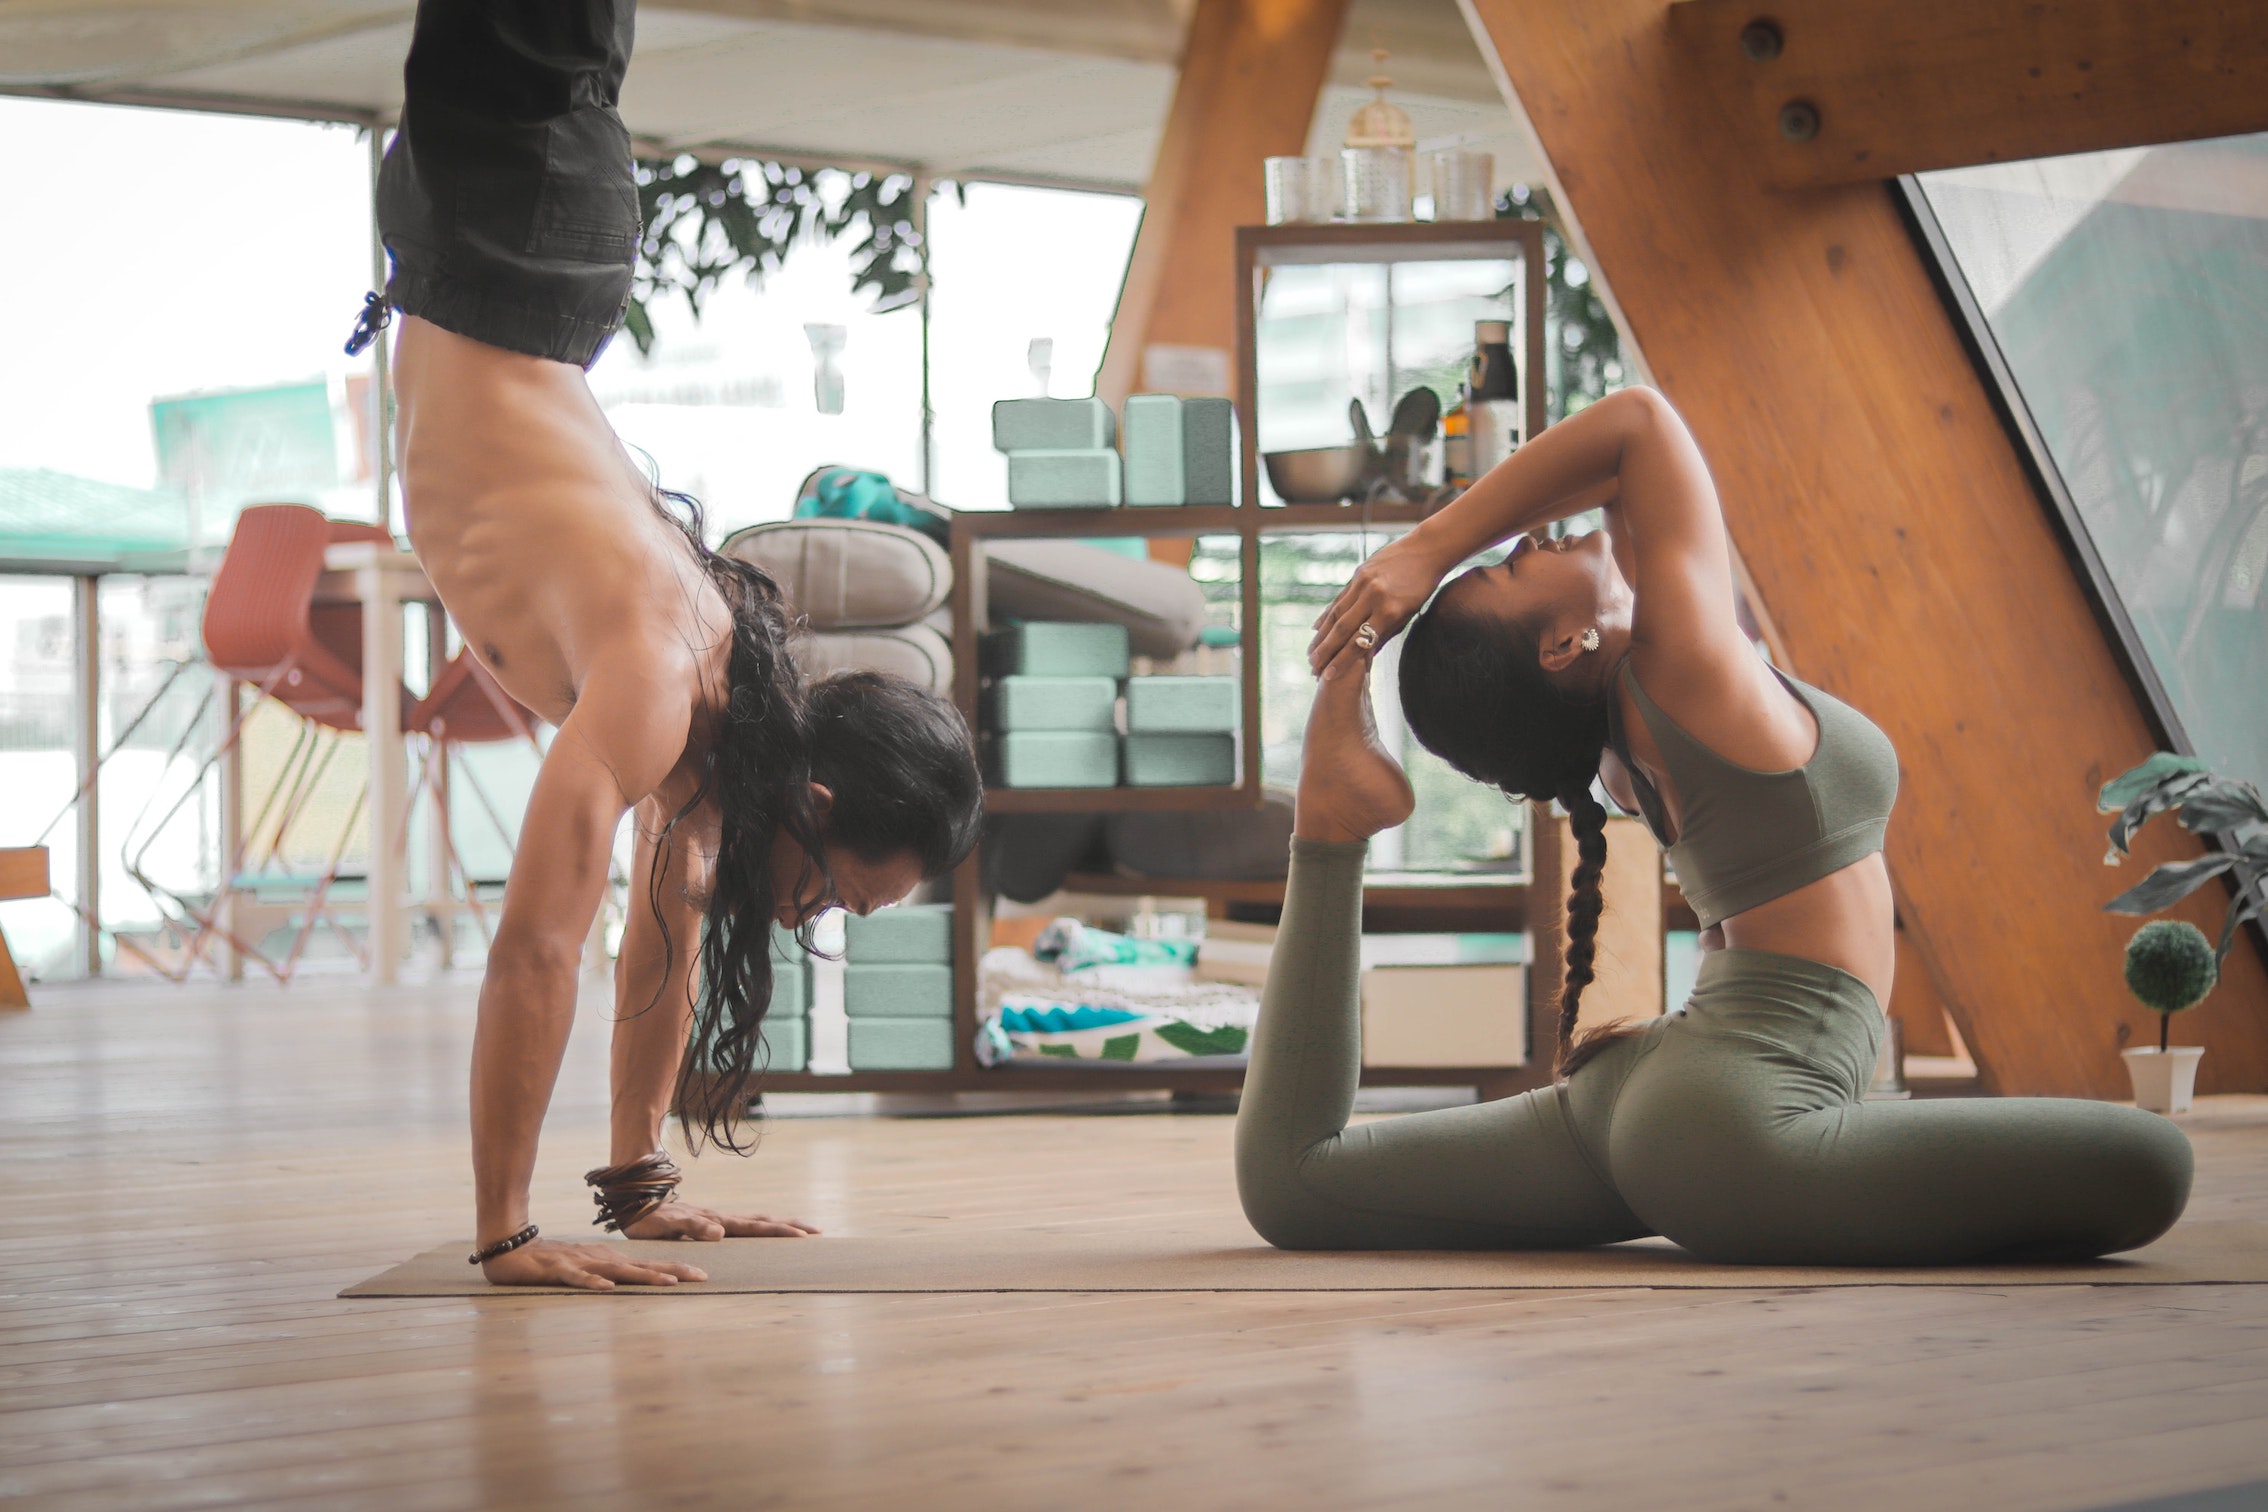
(1825, 92)
(1251, 73)
(1891, 534)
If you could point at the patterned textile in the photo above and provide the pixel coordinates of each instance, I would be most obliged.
(1029, 1011)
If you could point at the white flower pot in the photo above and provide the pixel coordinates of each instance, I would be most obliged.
(2164, 1080)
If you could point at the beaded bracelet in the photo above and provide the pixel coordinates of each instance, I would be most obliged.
(502, 1246)
(628, 1192)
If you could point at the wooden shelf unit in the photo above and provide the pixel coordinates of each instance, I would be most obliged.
(1503, 904)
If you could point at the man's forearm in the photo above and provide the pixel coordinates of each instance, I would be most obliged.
(527, 1008)
(653, 1016)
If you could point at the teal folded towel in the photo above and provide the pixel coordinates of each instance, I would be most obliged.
(1052, 703)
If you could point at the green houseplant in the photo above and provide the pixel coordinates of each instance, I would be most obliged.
(2170, 966)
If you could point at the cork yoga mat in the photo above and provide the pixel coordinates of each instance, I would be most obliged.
(988, 1259)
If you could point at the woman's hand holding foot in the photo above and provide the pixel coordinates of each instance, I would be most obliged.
(1386, 591)
(685, 1220)
(1349, 788)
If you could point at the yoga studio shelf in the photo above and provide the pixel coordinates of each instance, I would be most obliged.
(1474, 252)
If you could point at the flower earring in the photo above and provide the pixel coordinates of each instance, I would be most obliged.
(1591, 639)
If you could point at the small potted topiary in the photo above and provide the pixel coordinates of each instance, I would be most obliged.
(2170, 967)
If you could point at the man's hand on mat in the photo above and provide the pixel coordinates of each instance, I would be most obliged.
(592, 1267)
(683, 1220)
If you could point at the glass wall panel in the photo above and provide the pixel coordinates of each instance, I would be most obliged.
(2128, 293)
(1024, 283)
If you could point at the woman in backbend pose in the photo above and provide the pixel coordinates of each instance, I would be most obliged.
(508, 206)
(1732, 1125)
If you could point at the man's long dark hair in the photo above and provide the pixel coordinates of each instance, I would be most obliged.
(1474, 694)
(902, 770)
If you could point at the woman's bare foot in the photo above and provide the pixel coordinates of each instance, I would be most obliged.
(1349, 788)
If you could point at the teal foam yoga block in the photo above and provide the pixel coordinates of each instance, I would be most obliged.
(1058, 648)
(1183, 705)
(918, 933)
(897, 991)
(1053, 759)
(1180, 760)
(1083, 479)
(1154, 467)
(791, 990)
(1052, 425)
(787, 1044)
(1053, 703)
(887, 1044)
(1208, 451)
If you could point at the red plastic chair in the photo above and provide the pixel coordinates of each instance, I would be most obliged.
(466, 706)
(262, 626)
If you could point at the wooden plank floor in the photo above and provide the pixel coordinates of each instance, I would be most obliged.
(190, 1174)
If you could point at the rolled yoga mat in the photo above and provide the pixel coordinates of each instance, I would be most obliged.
(1213, 1255)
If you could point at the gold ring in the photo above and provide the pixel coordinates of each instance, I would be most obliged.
(1366, 635)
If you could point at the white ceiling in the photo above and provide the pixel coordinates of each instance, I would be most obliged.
(1070, 91)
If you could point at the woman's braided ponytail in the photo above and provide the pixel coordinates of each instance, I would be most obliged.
(1475, 694)
(1587, 816)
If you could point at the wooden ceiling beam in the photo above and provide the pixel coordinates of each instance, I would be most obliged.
(1891, 533)
(1822, 92)
(1250, 76)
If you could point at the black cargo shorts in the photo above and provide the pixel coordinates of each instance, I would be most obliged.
(507, 202)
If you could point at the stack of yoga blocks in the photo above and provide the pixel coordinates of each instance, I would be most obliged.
(1063, 453)
(787, 1023)
(1181, 731)
(898, 988)
(1051, 708)
(1051, 714)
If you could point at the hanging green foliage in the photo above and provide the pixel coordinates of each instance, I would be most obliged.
(1584, 362)
(2205, 804)
(706, 222)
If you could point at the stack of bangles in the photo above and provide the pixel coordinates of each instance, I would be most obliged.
(628, 1192)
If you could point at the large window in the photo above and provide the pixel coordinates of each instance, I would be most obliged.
(2126, 293)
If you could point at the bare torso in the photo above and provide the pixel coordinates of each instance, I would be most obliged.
(538, 531)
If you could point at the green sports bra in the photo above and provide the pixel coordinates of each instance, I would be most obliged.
(1748, 836)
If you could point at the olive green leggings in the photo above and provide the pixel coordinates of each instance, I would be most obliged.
(1733, 1127)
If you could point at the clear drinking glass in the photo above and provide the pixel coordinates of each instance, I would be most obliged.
(1301, 189)
(1376, 182)
(1462, 185)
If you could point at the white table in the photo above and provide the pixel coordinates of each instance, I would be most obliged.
(383, 578)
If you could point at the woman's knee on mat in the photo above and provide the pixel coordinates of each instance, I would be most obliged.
(2136, 1176)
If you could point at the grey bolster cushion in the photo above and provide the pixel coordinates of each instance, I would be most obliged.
(849, 574)
(1160, 605)
(914, 652)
